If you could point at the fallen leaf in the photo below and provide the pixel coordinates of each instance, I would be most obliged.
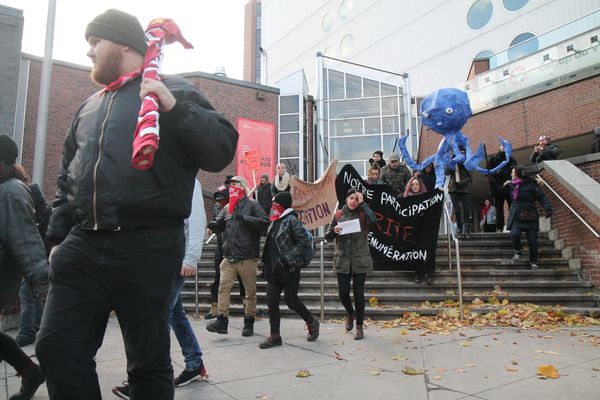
(337, 355)
(261, 397)
(461, 370)
(470, 365)
(373, 301)
(437, 378)
(513, 362)
(512, 369)
(403, 332)
(399, 357)
(596, 369)
(303, 373)
(412, 371)
(376, 372)
(548, 371)
(465, 343)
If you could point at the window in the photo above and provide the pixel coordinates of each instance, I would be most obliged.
(336, 85)
(346, 127)
(480, 14)
(355, 148)
(346, 45)
(371, 88)
(288, 104)
(288, 144)
(524, 44)
(346, 9)
(388, 90)
(389, 106)
(328, 22)
(353, 86)
(289, 123)
(354, 108)
(484, 54)
(514, 5)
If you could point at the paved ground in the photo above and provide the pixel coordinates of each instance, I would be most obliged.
(471, 364)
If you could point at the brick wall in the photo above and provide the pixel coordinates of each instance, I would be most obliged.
(565, 112)
(586, 246)
(592, 169)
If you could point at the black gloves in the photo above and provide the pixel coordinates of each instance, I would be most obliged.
(239, 217)
(548, 213)
(212, 225)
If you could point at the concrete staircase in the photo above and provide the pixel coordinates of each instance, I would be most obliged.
(486, 272)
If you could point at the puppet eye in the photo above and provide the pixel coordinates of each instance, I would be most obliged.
(425, 114)
(449, 110)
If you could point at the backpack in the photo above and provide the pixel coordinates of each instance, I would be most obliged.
(308, 252)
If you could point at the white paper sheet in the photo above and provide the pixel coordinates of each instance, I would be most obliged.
(350, 226)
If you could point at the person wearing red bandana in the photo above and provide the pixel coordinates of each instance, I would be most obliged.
(281, 274)
(116, 231)
(242, 222)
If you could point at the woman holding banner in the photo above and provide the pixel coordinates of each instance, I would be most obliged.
(352, 258)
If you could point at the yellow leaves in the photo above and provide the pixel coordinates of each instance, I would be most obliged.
(477, 301)
(303, 373)
(376, 372)
(412, 371)
(403, 332)
(547, 371)
(399, 357)
(373, 301)
(549, 352)
(465, 343)
(512, 369)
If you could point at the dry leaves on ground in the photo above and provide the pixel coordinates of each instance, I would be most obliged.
(412, 371)
(303, 373)
(547, 371)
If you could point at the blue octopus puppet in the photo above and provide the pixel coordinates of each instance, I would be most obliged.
(446, 111)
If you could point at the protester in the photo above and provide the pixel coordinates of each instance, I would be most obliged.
(352, 259)
(428, 177)
(263, 193)
(396, 175)
(596, 141)
(487, 217)
(523, 214)
(118, 231)
(377, 159)
(459, 188)
(22, 255)
(374, 175)
(281, 181)
(32, 308)
(221, 197)
(545, 150)
(243, 222)
(414, 187)
(496, 181)
(282, 260)
(195, 225)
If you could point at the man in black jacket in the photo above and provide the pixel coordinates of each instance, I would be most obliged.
(263, 193)
(242, 222)
(497, 181)
(117, 232)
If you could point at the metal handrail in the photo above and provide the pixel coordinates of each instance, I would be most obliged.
(322, 267)
(569, 207)
(458, 274)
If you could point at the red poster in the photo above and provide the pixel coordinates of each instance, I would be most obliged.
(256, 150)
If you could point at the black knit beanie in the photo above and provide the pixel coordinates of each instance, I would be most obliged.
(8, 149)
(119, 27)
(283, 199)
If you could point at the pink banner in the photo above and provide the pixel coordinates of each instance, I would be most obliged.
(256, 150)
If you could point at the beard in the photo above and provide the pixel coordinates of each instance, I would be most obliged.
(108, 68)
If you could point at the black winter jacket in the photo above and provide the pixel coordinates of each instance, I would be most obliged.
(241, 239)
(263, 196)
(98, 187)
(282, 258)
(464, 184)
(529, 193)
(551, 151)
(22, 253)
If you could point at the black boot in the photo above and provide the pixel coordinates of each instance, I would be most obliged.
(32, 379)
(248, 326)
(313, 330)
(219, 325)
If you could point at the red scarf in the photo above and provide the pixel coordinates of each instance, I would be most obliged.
(160, 31)
(235, 194)
(276, 211)
(121, 81)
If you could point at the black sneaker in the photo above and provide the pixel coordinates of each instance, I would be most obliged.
(219, 325)
(271, 341)
(533, 265)
(30, 382)
(23, 341)
(313, 330)
(187, 377)
(428, 279)
(122, 392)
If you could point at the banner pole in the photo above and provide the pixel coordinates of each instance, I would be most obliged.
(322, 267)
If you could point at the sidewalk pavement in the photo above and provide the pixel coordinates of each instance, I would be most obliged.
(490, 363)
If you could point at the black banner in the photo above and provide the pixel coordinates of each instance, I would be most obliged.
(406, 233)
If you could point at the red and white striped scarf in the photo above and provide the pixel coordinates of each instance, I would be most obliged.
(160, 31)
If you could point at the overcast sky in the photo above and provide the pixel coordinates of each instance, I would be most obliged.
(214, 27)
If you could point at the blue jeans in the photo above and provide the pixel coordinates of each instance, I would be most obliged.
(31, 313)
(183, 330)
